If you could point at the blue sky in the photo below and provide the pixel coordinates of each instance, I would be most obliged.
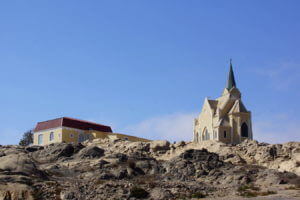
(145, 67)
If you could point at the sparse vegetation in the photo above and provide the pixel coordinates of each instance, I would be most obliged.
(27, 138)
(248, 187)
(198, 195)
(138, 193)
(253, 191)
(148, 180)
(292, 187)
(99, 182)
(180, 196)
(266, 193)
(249, 194)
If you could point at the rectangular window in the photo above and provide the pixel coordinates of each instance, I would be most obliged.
(51, 137)
(225, 134)
(40, 139)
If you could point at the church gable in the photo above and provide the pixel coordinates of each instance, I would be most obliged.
(238, 107)
(207, 107)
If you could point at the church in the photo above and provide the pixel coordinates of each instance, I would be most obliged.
(225, 119)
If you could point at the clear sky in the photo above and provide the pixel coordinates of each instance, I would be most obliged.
(145, 67)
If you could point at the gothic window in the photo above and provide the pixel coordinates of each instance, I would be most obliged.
(225, 134)
(244, 130)
(205, 135)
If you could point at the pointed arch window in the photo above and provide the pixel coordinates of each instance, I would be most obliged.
(205, 135)
(244, 130)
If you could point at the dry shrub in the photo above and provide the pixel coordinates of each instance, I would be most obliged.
(131, 164)
(138, 193)
(198, 195)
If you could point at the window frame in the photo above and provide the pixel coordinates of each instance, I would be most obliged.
(40, 138)
(51, 136)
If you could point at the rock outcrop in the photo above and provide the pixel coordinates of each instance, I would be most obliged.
(120, 169)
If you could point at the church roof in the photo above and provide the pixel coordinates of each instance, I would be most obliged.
(230, 81)
(238, 107)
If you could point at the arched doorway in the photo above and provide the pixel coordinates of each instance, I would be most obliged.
(244, 130)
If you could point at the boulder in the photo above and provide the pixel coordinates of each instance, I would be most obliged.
(159, 145)
(179, 144)
(159, 193)
(91, 152)
(18, 163)
(56, 151)
(192, 163)
(33, 148)
(16, 192)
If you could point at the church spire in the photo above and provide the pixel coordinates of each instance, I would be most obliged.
(230, 81)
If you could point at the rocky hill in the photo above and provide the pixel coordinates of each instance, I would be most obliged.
(120, 169)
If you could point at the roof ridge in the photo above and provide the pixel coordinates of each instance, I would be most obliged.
(85, 121)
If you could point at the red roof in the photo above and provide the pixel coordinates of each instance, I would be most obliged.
(71, 123)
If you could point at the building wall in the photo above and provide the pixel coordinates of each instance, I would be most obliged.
(235, 129)
(69, 135)
(246, 118)
(57, 132)
(98, 134)
(205, 122)
(226, 139)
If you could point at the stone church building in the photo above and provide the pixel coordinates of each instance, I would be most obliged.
(225, 119)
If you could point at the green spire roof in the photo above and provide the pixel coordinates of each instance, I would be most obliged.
(230, 81)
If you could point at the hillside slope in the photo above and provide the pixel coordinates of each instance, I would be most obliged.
(120, 169)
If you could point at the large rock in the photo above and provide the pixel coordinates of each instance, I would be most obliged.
(108, 170)
(91, 152)
(18, 163)
(192, 164)
(160, 145)
(15, 192)
(56, 151)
